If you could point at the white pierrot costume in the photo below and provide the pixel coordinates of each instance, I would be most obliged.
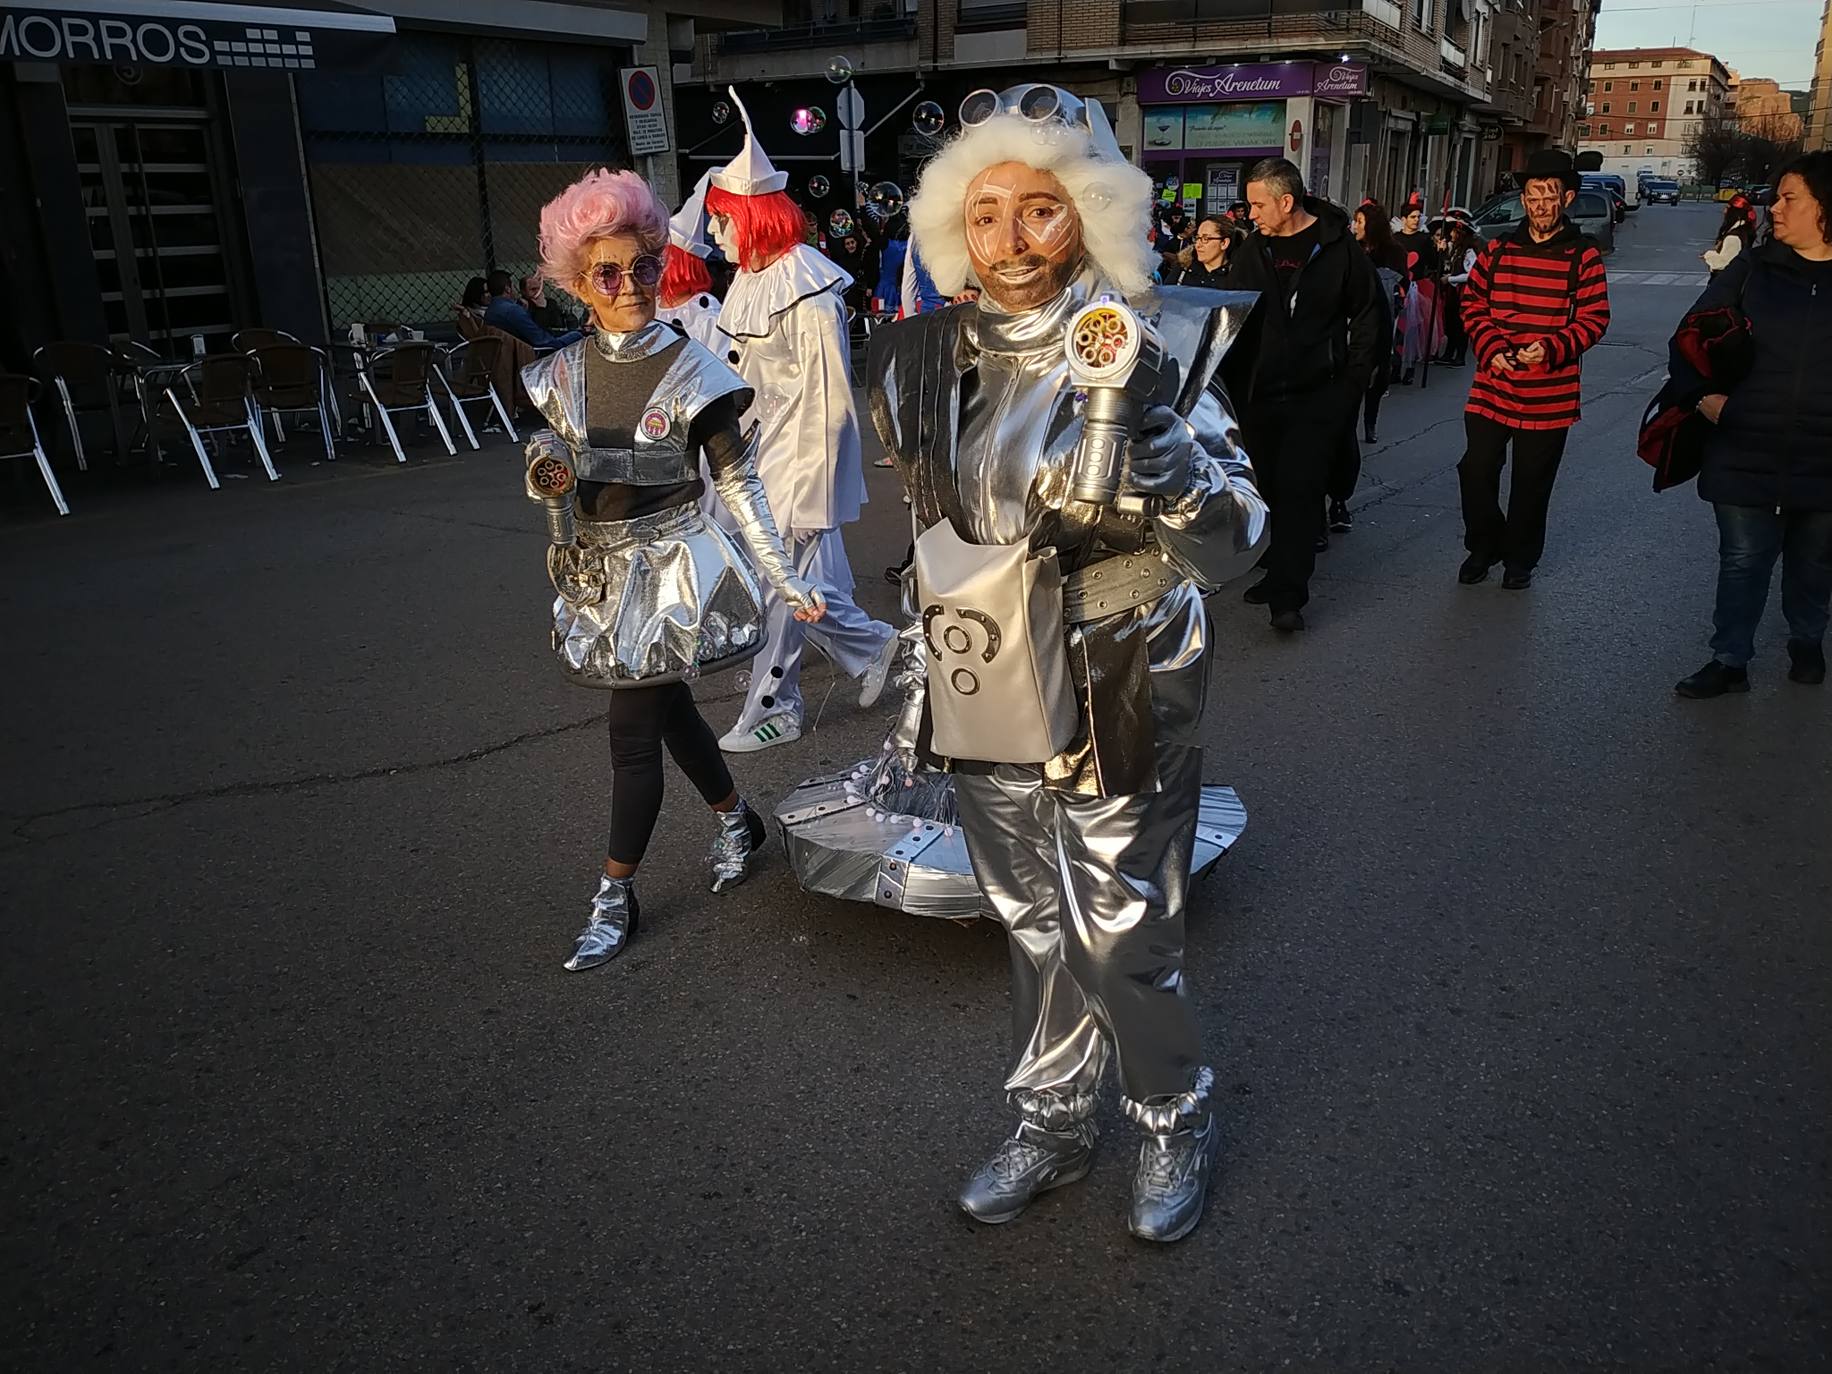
(784, 328)
(699, 313)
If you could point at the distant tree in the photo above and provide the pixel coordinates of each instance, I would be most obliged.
(1769, 143)
(1715, 145)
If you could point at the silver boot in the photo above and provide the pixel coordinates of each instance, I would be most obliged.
(1171, 1183)
(1035, 1159)
(609, 927)
(741, 834)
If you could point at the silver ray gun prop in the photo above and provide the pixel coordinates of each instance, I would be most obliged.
(551, 482)
(1118, 361)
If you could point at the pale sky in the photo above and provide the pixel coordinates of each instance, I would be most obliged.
(1772, 38)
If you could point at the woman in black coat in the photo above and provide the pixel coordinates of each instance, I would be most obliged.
(1768, 459)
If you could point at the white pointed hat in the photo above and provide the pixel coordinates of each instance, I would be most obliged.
(687, 228)
(749, 173)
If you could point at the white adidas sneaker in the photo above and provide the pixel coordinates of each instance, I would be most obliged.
(777, 729)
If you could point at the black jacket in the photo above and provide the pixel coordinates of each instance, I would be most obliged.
(1327, 329)
(1198, 275)
(1772, 445)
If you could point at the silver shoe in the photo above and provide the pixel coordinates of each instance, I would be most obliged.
(610, 926)
(1030, 1163)
(1171, 1183)
(741, 834)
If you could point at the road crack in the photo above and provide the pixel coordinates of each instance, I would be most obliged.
(105, 813)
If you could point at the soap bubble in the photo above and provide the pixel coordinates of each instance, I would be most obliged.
(927, 119)
(839, 222)
(839, 70)
(887, 196)
(721, 112)
(818, 187)
(1098, 196)
(808, 119)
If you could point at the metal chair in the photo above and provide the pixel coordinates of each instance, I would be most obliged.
(400, 378)
(248, 340)
(19, 431)
(84, 376)
(468, 373)
(290, 380)
(218, 395)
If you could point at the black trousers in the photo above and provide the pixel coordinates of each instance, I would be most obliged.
(643, 719)
(1518, 536)
(1345, 464)
(1293, 441)
(1456, 340)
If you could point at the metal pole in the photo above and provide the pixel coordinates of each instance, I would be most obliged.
(474, 103)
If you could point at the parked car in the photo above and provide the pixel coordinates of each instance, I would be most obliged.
(1593, 212)
(1661, 193)
(1609, 181)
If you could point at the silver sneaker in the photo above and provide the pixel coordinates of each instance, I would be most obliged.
(871, 686)
(1171, 1183)
(1031, 1162)
(741, 834)
(609, 927)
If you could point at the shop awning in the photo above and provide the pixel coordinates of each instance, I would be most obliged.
(303, 35)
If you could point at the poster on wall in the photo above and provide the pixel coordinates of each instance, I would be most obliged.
(1164, 127)
(1224, 190)
(1260, 124)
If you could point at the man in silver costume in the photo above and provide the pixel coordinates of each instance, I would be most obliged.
(1084, 857)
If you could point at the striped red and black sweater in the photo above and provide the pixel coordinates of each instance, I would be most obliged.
(1520, 291)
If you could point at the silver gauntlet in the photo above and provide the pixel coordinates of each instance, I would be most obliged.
(551, 481)
(741, 489)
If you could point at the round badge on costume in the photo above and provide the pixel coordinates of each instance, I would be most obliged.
(655, 423)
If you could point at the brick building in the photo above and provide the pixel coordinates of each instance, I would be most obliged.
(1819, 116)
(1644, 104)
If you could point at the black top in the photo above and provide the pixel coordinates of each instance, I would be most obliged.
(1422, 257)
(1198, 275)
(616, 394)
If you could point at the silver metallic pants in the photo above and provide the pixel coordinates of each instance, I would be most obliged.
(1091, 892)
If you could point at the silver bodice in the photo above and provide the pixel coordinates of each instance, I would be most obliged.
(662, 454)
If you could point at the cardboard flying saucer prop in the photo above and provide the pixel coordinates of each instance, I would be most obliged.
(901, 847)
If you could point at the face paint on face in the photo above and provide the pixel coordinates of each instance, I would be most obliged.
(724, 236)
(1023, 235)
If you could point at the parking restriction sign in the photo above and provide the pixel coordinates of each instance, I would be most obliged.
(642, 111)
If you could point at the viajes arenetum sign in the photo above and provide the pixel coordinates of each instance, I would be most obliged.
(1252, 81)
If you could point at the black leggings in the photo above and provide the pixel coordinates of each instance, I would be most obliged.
(643, 719)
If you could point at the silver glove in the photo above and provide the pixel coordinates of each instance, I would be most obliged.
(742, 492)
(551, 480)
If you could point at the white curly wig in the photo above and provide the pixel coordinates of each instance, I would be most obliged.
(1112, 199)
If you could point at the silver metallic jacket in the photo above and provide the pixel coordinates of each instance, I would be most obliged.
(664, 596)
(977, 409)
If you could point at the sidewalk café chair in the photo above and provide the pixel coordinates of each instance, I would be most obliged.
(84, 376)
(131, 359)
(290, 380)
(468, 372)
(19, 431)
(248, 340)
(215, 394)
(399, 378)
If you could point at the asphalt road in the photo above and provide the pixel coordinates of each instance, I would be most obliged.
(1516, 985)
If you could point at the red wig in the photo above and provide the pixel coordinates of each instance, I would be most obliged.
(683, 275)
(766, 226)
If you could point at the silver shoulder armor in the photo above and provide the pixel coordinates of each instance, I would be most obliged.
(556, 385)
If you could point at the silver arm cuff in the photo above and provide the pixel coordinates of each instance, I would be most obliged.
(742, 492)
(1217, 527)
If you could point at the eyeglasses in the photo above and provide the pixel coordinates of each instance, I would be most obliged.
(607, 277)
(1208, 238)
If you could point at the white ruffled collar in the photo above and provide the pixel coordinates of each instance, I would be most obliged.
(757, 298)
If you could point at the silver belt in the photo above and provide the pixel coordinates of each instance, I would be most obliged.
(1114, 585)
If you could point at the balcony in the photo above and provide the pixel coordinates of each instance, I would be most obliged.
(1453, 55)
(832, 33)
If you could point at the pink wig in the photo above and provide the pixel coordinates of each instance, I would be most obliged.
(766, 226)
(596, 206)
(683, 275)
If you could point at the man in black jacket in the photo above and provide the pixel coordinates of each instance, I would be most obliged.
(1320, 336)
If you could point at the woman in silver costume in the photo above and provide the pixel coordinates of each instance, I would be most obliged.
(651, 596)
(1068, 709)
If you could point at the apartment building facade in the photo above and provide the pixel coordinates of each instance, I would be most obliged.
(1382, 98)
(1645, 104)
(1818, 134)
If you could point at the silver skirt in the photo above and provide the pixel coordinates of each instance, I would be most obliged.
(660, 598)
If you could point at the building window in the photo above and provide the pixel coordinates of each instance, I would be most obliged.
(1605, 107)
(1631, 106)
(1421, 15)
(1655, 62)
(1689, 105)
(1649, 150)
(1634, 85)
(1609, 86)
(1692, 85)
(1628, 130)
(1609, 66)
(1653, 107)
(1626, 150)
(1602, 131)
(1657, 84)
(1583, 131)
